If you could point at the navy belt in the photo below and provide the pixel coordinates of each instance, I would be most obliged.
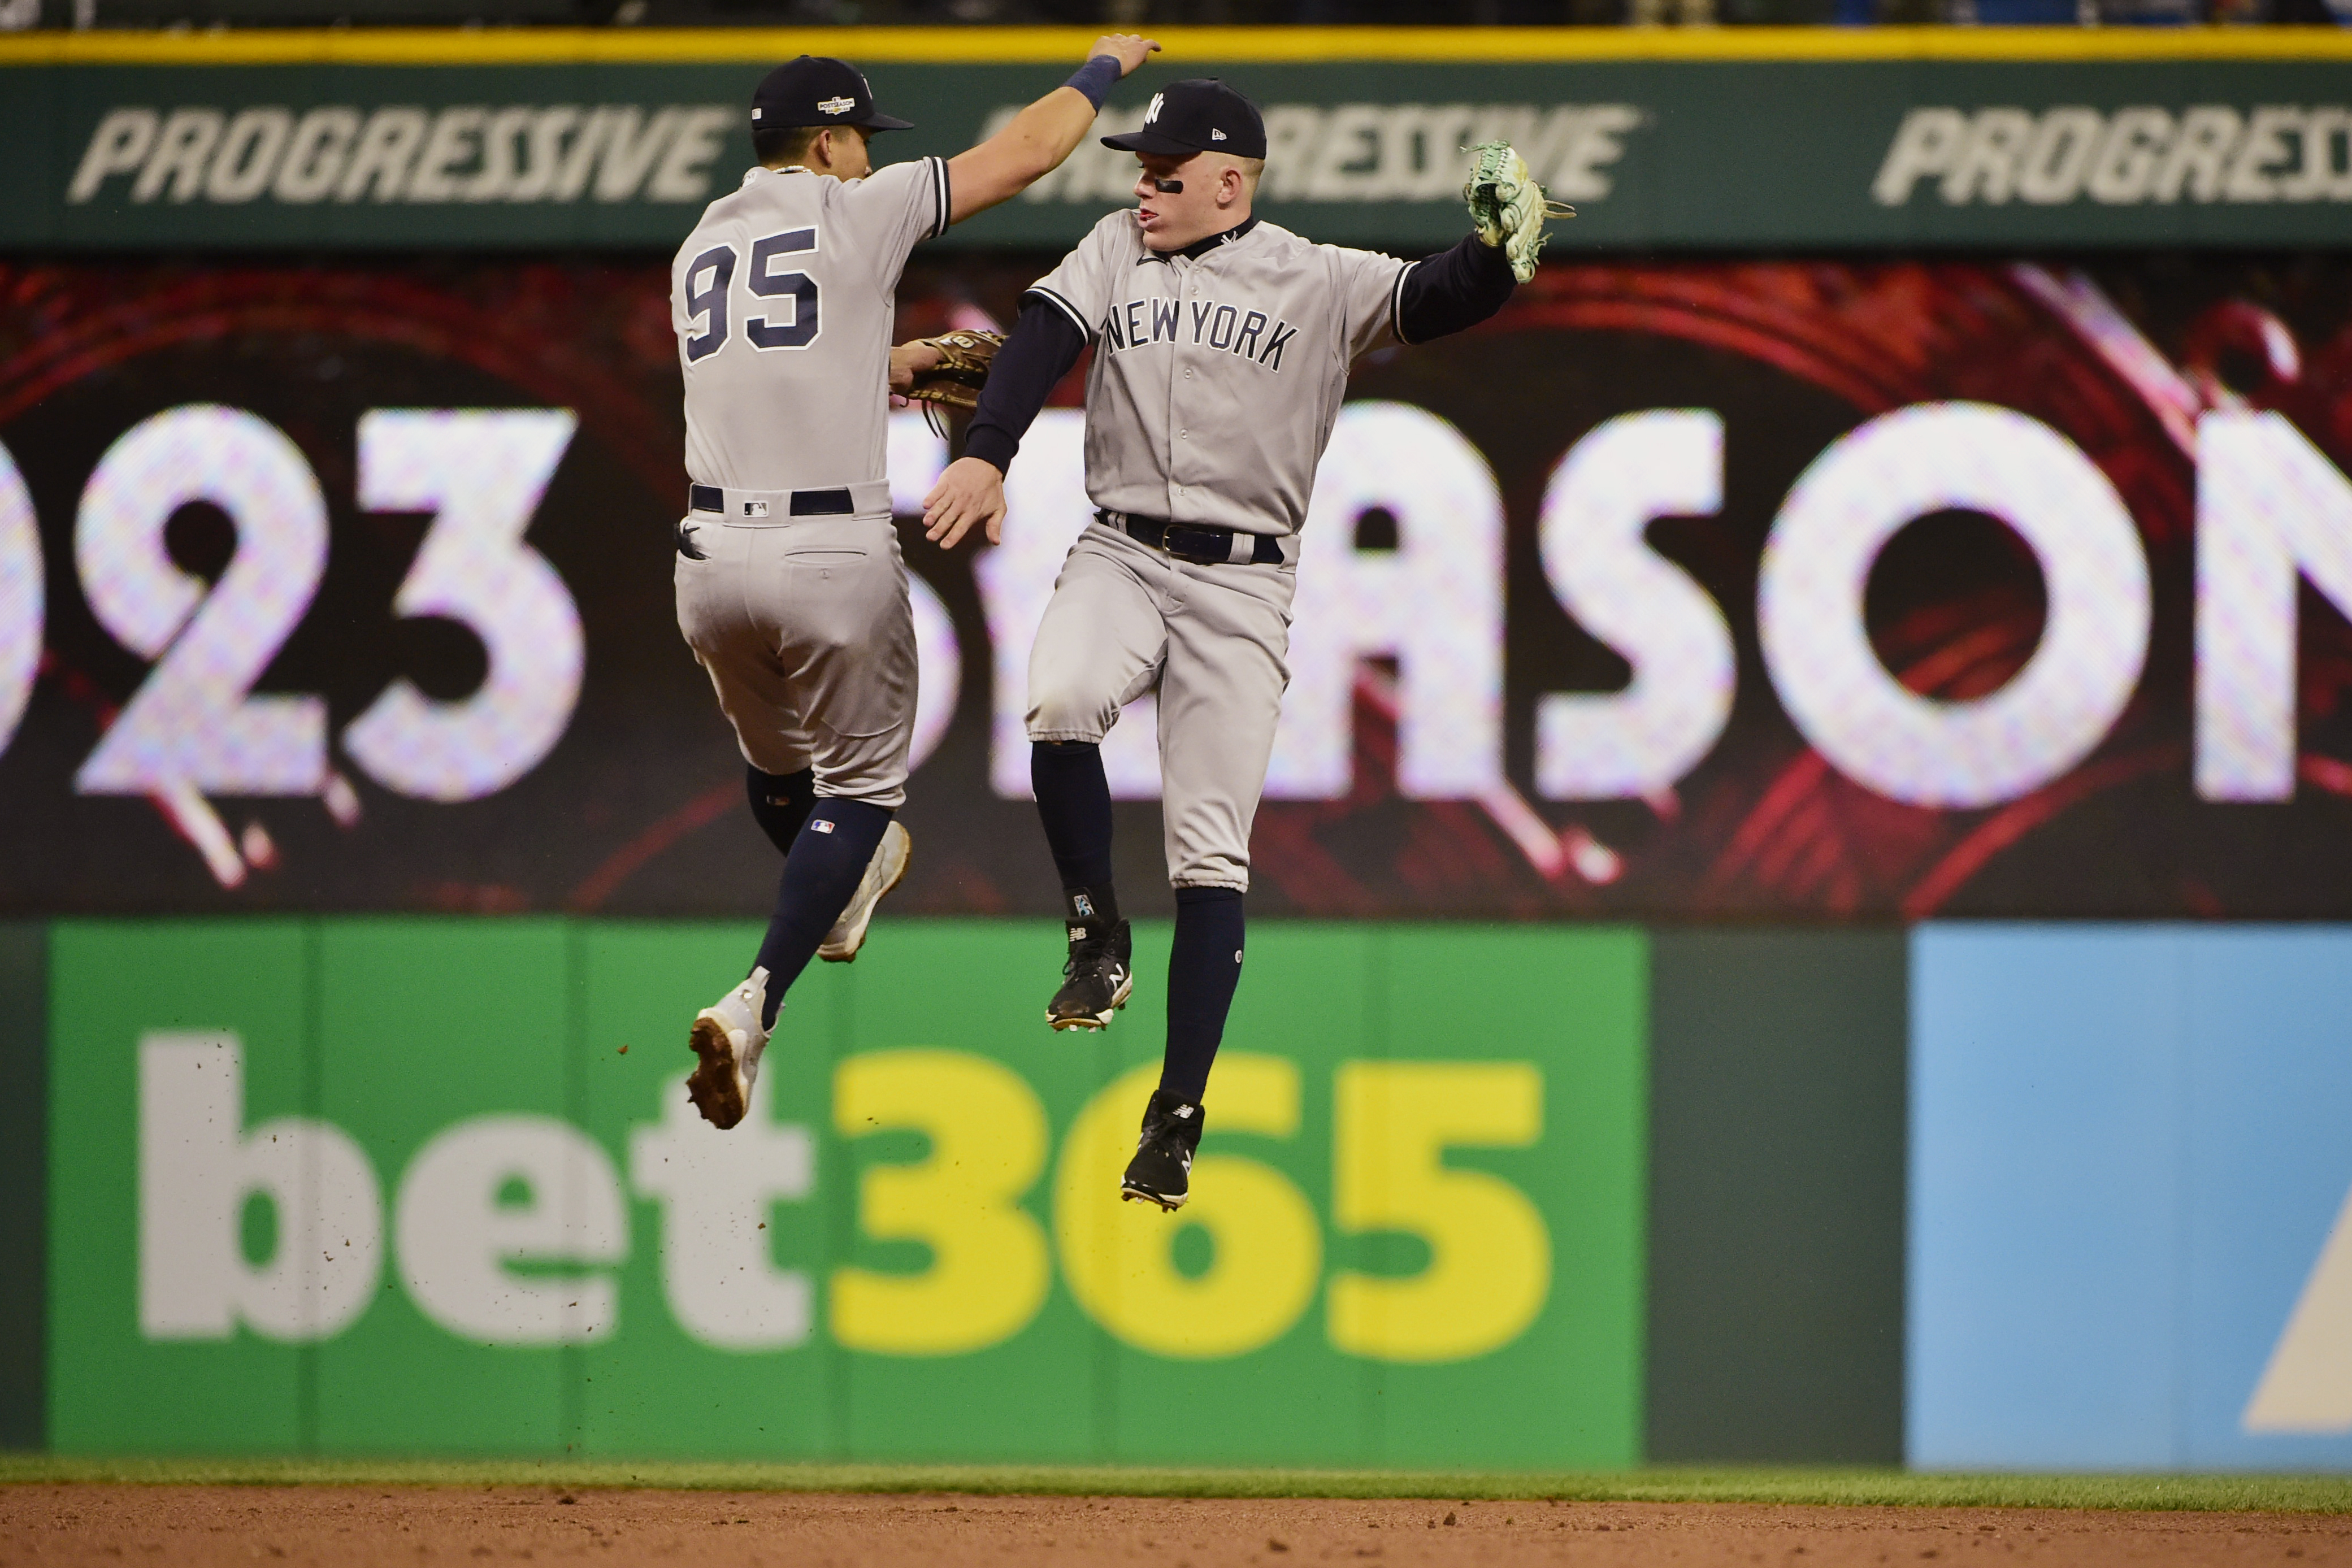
(1191, 542)
(836, 503)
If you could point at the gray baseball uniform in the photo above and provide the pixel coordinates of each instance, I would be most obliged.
(1218, 373)
(790, 588)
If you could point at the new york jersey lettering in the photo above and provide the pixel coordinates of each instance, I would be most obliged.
(1203, 324)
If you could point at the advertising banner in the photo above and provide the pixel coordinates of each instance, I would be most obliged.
(1830, 590)
(1771, 138)
(410, 1187)
(2131, 1242)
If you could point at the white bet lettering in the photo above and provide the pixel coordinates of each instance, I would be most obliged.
(198, 1169)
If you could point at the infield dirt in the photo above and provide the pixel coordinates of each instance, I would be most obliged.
(370, 1525)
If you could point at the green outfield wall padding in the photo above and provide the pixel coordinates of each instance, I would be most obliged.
(24, 1176)
(371, 1187)
(1775, 1258)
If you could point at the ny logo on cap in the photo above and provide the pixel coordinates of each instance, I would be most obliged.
(1151, 114)
(837, 105)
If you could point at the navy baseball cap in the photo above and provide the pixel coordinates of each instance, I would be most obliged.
(1203, 115)
(817, 90)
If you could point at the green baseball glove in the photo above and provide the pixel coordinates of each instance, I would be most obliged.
(1507, 207)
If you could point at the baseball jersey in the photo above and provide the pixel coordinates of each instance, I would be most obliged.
(1217, 377)
(782, 300)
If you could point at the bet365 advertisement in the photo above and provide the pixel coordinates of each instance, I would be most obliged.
(1811, 589)
(370, 1187)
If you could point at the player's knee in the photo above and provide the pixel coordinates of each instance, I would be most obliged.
(1066, 709)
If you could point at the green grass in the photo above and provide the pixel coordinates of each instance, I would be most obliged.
(2317, 1494)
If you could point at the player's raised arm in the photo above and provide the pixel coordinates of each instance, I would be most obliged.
(1458, 288)
(1043, 134)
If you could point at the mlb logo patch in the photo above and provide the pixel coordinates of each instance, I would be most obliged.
(755, 508)
(820, 825)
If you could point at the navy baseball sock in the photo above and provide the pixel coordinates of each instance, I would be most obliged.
(781, 802)
(1074, 803)
(1204, 966)
(820, 873)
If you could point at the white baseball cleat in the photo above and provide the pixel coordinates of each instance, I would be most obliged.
(883, 872)
(727, 1038)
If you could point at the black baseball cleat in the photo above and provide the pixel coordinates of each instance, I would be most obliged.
(1097, 979)
(1161, 1170)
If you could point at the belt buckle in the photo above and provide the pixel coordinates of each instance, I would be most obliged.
(1207, 552)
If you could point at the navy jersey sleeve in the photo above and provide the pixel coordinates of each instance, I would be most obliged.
(1045, 341)
(1452, 290)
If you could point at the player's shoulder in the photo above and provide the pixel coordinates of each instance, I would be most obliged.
(756, 189)
(890, 183)
(1348, 258)
(1279, 244)
(1115, 232)
(889, 174)
(743, 204)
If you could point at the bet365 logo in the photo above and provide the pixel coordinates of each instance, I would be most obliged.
(508, 1229)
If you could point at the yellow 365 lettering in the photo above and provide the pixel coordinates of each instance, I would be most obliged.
(989, 1271)
(1490, 1256)
(1119, 1257)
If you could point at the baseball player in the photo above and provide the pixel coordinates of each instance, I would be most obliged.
(1222, 346)
(791, 589)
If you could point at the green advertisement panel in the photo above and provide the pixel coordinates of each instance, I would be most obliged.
(1755, 137)
(371, 1187)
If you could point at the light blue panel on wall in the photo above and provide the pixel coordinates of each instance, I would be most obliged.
(2270, 1164)
(2044, 1248)
(2129, 1148)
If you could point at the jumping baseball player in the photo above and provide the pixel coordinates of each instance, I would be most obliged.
(791, 589)
(1221, 346)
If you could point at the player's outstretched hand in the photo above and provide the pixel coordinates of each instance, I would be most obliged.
(1127, 48)
(971, 491)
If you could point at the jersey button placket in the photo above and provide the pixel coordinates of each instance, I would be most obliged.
(1176, 411)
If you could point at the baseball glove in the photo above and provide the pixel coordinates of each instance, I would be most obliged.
(955, 381)
(1507, 207)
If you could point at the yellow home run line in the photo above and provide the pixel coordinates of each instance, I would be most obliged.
(1266, 46)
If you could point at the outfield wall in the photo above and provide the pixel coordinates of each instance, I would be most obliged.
(1981, 1196)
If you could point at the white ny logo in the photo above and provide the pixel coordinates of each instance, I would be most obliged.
(1154, 113)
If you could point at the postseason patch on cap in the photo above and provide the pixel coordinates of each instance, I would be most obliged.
(837, 105)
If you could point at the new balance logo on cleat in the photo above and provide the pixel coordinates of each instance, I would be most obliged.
(1161, 1170)
(1095, 981)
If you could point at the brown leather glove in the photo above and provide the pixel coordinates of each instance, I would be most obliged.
(955, 381)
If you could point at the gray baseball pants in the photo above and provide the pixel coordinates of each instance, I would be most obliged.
(1124, 618)
(804, 627)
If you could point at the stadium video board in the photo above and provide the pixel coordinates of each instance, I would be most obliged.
(1819, 589)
